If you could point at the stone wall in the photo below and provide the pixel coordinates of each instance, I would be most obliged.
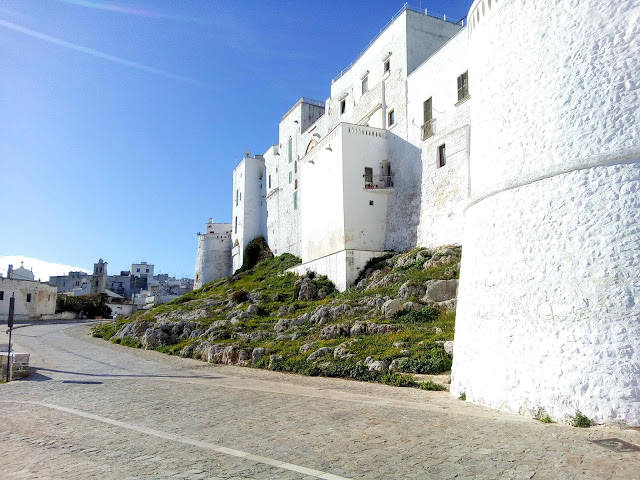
(19, 365)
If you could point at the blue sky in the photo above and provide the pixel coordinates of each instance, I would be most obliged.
(121, 121)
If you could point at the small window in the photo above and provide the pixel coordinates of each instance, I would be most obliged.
(295, 200)
(370, 202)
(137, 269)
(368, 177)
(365, 84)
(391, 118)
(49, 298)
(387, 66)
(236, 226)
(290, 150)
(296, 184)
(269, 181)
(463, 86)
(28, 298)
(1, 295)
(290, 177)
(147, 270)
(343, 106)
(442, 155)
(237, 195)
(295, 167)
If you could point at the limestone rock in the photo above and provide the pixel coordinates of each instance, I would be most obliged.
(306, 289)
(319, 353)
(252, 310)
(390, 307)
(395, 364)
(378, 366)
(257, 354)
(412, 306)
(306, 347)
(411, 289)
(334, 331)
(441, 290)
(448, 347)
(274, 359)
(341, 351)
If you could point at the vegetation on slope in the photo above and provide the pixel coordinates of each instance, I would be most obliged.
(266, 317)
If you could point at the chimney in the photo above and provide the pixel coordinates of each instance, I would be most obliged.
(10, 271)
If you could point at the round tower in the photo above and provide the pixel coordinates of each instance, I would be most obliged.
(213, 260)
(549, 299)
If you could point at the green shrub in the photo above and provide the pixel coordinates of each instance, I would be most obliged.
(373, 264)
(424, 315)
(581, 421)
(463, 396)
(255, 251)
(239, 296)
(545, 418)
(434, 360)
(429, 385)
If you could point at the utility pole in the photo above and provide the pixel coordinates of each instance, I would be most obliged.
(12, 303)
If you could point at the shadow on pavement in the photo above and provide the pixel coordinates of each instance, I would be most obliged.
(33, 373)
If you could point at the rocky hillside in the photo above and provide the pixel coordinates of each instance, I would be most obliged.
(397, 319)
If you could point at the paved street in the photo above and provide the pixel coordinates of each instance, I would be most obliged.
(91, 409)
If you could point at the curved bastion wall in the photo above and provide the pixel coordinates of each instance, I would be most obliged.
(549, 299)
(213, 260)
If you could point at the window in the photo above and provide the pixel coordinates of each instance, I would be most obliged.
(295, 200)
(391, 118)
(137, 269)
(295, 167)
(290, 150)
(1, 295)
(28, 298)
(269, 181)
(237, 194)
(368, 177)
(147, 270)
(427, 125)
(442, 156)
(365, 84)
(236, 226)
(371, 202)
(343, 106)
(296, 184)
(290, 177)
(387, 66)
(463, 86)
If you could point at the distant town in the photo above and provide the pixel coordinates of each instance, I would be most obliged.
(127, 292)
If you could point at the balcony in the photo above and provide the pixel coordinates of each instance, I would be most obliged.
(428, 129)
(376, 182)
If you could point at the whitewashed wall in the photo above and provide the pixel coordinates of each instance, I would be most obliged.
(43, 298)
(548, 313)
(444, 190)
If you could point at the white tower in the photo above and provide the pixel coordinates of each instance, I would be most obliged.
(548, 313)
(214, 253)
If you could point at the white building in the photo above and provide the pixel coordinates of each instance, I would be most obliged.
(141, 270)
(526, 151)
(32, 299)
(214, 253)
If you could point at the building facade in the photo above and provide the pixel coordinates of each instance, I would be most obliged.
(525, 152)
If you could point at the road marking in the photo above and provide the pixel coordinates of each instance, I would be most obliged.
(189, 441)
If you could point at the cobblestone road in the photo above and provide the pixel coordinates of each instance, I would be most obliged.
(91, 409)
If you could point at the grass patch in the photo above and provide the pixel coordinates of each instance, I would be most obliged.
(430, 385)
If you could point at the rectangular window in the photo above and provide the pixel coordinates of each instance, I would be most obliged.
(427, 124)
(442, 156)
(295, 167)
(290, 150)
(290, 177)
(343, 106)
(236, 226)
(237, 193)
(28, 298)
(391, 118)
(295, 200)
(463, 86)
(296, 184)
(137, 269)
(269, 181)
(387, 66)
(368, 177)
(1, 295)
(365, 84)
(147, 270)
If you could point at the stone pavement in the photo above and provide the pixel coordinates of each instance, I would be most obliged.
(91, 409)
